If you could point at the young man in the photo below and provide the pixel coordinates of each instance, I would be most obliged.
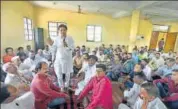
(132, 94)
(129, 65)
(77, 62)
(166, 70)
(168, 88)
(21, 54)
(62, 48)
(89, 72)
(161, 44)
(149, 98)
(101, 87)
(9, 55)
(159, 61)
(47, 53)
(146, 69)
(46, 93)
(28, 49)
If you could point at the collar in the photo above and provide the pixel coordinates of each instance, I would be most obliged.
(100, 78)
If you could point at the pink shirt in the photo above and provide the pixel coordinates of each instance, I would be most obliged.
(101, 93)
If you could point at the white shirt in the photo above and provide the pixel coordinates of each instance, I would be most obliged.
(147, 71)
(47, 54)
(155, 104)
(132, 94)
(159, 62)
(25, 101)
(62, 52)
(90, 71)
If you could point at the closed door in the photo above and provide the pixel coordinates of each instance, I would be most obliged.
(170, 42)
(154, 40)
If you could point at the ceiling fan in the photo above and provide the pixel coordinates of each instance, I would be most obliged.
(79, 11)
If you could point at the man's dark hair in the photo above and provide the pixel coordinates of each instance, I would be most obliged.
(158, 53)
(8, 48)
(62, 26)
(151, 89)
(162, 39)
(175, 70)
(102, 66)
(93, 57)
(20, 48)
(141, 76)
(39, 66)
(83, 46)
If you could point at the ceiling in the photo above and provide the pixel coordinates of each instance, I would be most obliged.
(152, 10)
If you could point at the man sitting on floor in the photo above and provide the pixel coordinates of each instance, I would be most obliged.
(9, 55)
(101, 89)
(89, 71)
(168, 88)
(46, 93)
(132, 94)
(77, 62)
(148, 98)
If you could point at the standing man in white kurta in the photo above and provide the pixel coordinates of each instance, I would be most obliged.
(62, 48)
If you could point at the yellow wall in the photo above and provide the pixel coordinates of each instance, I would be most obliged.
(113, 31)
(12, 25)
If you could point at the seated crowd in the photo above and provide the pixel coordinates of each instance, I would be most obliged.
(148, 79)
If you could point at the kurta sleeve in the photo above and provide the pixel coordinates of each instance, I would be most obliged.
(71, 44)
(53, 49)
(45, 89)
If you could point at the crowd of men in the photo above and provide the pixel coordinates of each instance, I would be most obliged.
(148, 78)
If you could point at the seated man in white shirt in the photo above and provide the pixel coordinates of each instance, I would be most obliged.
(159, 61)
(148, 99)
(89, 71)
(39, 57)
(25, 96)
(22, 68)
(47, 53)
(146, 69)
(132, 94)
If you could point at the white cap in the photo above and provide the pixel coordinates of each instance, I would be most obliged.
(14, 58)
(4, 67)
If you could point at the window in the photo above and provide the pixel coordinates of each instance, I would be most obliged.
(94, 33)
(52, 28)
(28, 28)
(161, 28)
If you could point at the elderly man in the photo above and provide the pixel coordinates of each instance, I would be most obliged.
(16, 79)
(62, 48)
(22, 68)
(101, 89)
(26, 97)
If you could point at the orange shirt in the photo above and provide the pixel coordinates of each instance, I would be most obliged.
(7, 58)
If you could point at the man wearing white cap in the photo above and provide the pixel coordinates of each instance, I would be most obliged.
(22, 68)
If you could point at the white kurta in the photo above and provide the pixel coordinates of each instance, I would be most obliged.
(63, 58)
(132, 94)
(89, 71)
(155, 104)
(25, 101)
(147, 71)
